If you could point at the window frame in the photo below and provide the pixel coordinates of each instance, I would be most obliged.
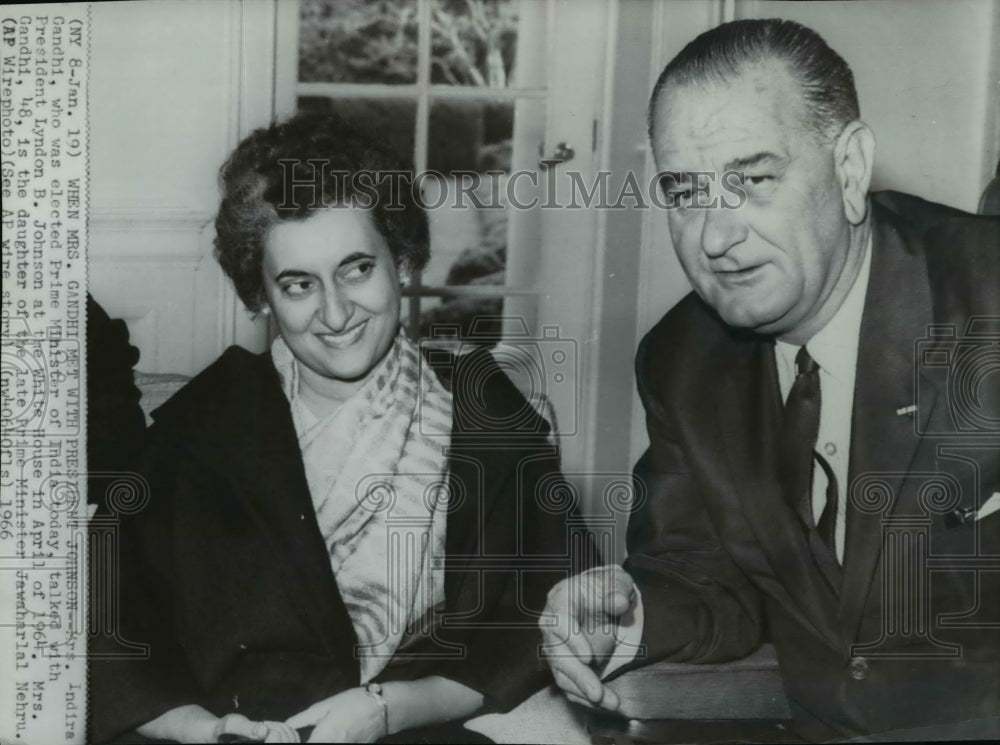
(288, 89)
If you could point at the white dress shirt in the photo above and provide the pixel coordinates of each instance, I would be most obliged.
(835, 350)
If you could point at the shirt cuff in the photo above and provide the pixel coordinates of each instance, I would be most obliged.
(628, 637)
(990, 506)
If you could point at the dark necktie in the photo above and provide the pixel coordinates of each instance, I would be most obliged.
(801, 428)
(827, 525)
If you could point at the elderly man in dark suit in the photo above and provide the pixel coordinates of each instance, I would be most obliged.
(823, 413)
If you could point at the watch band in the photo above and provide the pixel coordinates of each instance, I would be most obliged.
(375, 691)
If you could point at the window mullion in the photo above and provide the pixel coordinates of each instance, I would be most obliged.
(421, 133)
(423, 83)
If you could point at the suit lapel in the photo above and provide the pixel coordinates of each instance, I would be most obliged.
(749, 418)
(883, 442)
(265, 465)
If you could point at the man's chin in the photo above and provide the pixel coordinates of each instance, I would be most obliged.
(756, 320)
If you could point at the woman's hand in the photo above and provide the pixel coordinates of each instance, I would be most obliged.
(350, 716)
(240, 728)
(192, 723)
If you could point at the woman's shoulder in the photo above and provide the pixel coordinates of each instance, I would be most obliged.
(485, 397)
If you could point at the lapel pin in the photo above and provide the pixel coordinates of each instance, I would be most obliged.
(907, 410)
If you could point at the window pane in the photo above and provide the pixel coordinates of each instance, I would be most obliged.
(390, 120)
(470, 135)
(469, 145)
(487, 152)
(474, 42)
(358, 41)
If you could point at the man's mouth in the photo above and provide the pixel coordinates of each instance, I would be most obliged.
(344, 338)
(739, 274)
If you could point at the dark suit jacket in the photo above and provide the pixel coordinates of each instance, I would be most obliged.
(224, 573)
(723, 561)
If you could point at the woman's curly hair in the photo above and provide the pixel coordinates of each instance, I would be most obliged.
(262, 181)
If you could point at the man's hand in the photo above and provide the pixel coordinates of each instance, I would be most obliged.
(586, 609)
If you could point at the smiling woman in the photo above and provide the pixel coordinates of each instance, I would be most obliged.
(333, 287)
(311, 560)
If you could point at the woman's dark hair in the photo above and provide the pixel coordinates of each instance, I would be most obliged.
(290, 170)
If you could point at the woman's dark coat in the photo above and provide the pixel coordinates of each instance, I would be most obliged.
(225, 576)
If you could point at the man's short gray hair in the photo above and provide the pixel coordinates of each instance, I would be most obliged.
(721, 53)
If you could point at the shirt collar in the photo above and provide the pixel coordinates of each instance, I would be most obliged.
(835, 346)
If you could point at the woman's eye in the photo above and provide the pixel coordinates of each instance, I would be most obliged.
(297, 288)
(358, 270)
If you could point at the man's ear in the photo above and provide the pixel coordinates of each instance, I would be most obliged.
(854, 156)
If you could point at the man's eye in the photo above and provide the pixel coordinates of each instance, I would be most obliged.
(298, 288)
(758, 180)
(676, 193)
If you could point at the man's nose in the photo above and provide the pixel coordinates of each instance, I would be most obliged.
(722, 229)
(337, 308)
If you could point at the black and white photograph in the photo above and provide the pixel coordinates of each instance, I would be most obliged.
(569, 372)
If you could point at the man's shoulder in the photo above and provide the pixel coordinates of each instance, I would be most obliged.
(961, 250)
(684, 341)
(938, 229)
(918, 211)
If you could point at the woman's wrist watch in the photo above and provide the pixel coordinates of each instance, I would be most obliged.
(375, 691)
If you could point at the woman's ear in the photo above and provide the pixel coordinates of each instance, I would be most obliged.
(854, 154)
(405, 275)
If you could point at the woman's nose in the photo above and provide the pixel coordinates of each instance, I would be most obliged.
(337, 308)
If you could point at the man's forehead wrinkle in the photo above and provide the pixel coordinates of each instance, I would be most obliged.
(759, 109)
(712, 142)
(712, 120)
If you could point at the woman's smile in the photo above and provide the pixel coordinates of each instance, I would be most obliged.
(343, 339)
